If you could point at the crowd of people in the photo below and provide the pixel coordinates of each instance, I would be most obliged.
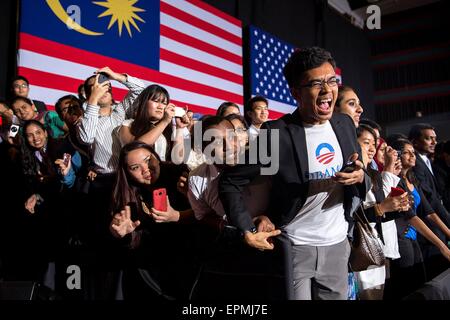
(81, 185)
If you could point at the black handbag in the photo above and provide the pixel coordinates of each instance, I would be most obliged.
(367, 249)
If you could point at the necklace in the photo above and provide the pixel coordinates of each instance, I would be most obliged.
(144, 206)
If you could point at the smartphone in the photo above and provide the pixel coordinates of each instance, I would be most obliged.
(160, 199)
(396, 192)
(66, 159)
(102, 77)
(349, 167)
(179, 112)
(13, 130)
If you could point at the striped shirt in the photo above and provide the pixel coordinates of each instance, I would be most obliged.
(100, 132)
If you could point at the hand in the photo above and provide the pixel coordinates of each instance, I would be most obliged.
(398, 203)
(398, 167)
(98, 90)
(113, 75)
(31, 203)
(91, 175)
(182, 184)
(169, 113)
(390, 159)
(260, 240)
(354, 177)
(121, 224)
(264, 224)
(63, 168)
(184, 121)
(171, 215)
(445, 251)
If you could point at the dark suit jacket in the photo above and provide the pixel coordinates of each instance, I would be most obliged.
(40, 106)
(290, 184)
(442, 175)
(428, 185)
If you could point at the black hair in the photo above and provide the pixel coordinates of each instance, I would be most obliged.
(234, 116)
(19, 98)
(19, 77)
(224, 106)
(125, 190)
(416, 130)
(249, 107)
(341, 91)
(372, 173)
(305, 59)
(370, 123)
(141, 123)
(399, 145)
(75, 104)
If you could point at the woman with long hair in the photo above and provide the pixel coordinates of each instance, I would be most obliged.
(376, 203)
(408, 272)
(154, 124)
(159, 240)
(25, 110)
(49, 167)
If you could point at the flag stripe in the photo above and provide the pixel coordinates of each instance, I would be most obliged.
(199, 77)
(199, 66)
(191, 52)
(187, 29)
(171, 16)
(178, 97)
(213, 14)
(204, 46)
(280, 107)
(43, 63)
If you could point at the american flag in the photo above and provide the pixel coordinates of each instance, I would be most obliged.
(191, 48)
(268, 55)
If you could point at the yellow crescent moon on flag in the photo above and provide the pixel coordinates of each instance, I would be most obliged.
(59, 11)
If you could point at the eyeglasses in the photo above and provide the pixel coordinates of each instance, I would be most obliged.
(23, 86)
(320, 84)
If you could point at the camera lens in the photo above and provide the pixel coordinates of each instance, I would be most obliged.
(14, 129)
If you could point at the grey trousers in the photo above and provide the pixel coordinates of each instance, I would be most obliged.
(320, 273)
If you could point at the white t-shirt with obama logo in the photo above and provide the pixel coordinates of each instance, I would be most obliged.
(321, 221)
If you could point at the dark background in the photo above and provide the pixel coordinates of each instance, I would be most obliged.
(398, 71)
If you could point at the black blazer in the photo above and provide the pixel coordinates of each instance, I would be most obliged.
(290, 184)
(428, 185)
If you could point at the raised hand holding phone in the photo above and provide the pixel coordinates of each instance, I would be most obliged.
(162, 211)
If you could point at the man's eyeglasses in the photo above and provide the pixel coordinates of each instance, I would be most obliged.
(23, 86)
(320, 84)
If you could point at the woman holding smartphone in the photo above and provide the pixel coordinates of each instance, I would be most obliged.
(49, 166)
(408, 272)
(157, 123)
(159, 241)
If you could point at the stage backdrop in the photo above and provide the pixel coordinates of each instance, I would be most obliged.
(189, 47)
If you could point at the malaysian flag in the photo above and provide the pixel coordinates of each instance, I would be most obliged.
(268, 56)
(187, 46)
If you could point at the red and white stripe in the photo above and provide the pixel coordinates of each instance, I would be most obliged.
(200, 60)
